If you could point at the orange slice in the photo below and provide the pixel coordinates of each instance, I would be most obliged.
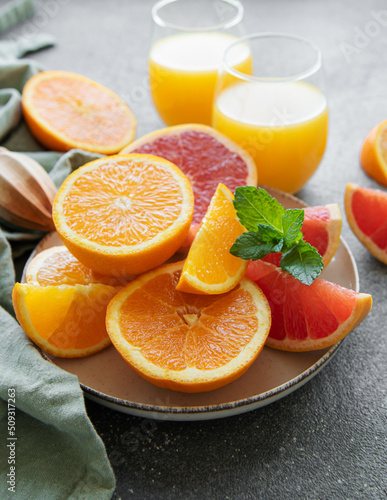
(57, 266)
(64, 110)
(210, 268)
(366, 211)
(124, 214)
(66, 321)
(207, 158)
(321, 228)
(373, 157)
(307, 318)
(187, 342)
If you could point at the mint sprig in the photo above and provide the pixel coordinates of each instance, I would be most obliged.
(271, 228)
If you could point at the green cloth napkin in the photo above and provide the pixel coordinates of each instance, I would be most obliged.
(13, 12)
(57, 452)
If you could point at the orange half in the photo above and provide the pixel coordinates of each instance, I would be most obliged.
(57, 266)
(187, 342)
(124, 214)
(65, 110)
(65, 321)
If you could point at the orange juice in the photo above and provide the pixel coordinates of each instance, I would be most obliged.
(183, 70)
(283, 125)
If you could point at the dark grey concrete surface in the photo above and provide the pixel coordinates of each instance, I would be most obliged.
(327, 440)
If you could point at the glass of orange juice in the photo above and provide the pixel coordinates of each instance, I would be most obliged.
(277, 110)
(189, 39)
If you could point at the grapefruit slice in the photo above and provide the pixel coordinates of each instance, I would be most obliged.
(307, 318)
(321, 228)
(207, 158)
(373, 157)
(366, 211)
(209, 267)
(187, 342)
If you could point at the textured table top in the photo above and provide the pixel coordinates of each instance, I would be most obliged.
(327, 440)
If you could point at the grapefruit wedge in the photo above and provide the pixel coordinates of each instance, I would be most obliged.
(206, 157)
(373, 157)
(366, 211)
(321, 228)
(307, 318)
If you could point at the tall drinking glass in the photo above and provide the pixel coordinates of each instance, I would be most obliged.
(189, 39)
(279, 112)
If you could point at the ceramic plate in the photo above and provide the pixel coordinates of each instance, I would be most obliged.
(108, 380)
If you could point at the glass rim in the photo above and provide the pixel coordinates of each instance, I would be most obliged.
(228, 24)
(273, 34)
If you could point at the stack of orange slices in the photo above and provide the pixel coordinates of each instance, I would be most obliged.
(121, 215)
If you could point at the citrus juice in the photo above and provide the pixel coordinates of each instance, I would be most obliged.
(183, 70)
(283, 125)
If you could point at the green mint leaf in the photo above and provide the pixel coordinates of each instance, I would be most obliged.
(303, 262)
(255, 206)
(271, 228)
(292, 221)
(254, 245)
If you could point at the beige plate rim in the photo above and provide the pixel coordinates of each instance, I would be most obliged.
(235, 405)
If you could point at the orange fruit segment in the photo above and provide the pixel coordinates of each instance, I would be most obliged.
(187, 342)
(366, 211)
(373, 156)
(209, 267)
(57, 266)
(124, 214)
(206, 157)
(307, 318)
(321, 229)
(65, 321)
(65, 110)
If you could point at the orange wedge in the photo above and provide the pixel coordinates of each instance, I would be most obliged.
(65, 321)
(124, 214)
(373, 156)
(187, 342)
(65, 110)
(210, 268)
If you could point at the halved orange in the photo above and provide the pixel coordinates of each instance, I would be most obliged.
(209, 267)
(366, 211)
(321, 228)
(57, 266)
(206, 156)
(307, 317)
(65, 110)
(66, 321)
(187, 342)
(124, 214)
(373, 157)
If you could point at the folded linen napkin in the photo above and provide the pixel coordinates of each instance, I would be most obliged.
(49, 448)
